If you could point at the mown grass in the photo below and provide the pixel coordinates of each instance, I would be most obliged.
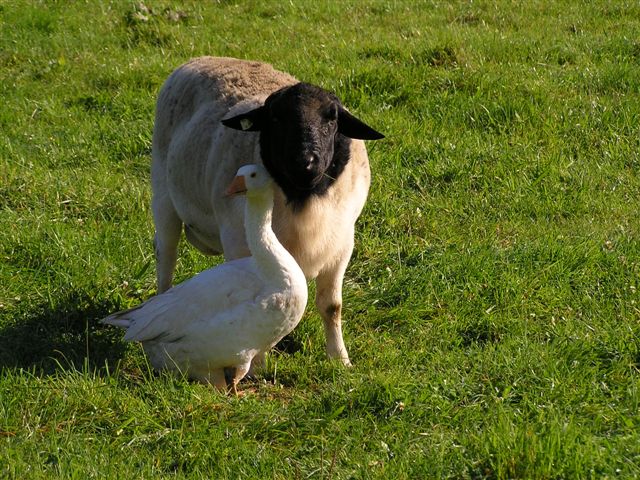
(491, 307)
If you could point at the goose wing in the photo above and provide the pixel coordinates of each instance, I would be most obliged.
(210, 293)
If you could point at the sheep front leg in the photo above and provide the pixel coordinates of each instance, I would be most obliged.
(168, 226)
(329, 303)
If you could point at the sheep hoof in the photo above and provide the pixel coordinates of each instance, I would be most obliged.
(344, 360)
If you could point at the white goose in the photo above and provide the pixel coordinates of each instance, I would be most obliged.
(224, 316)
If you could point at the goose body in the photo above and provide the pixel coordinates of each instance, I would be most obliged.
(226, 315)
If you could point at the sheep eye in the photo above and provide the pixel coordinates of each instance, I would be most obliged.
(332, 114)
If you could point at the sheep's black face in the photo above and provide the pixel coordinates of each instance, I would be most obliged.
(304, 138)
(297, 139)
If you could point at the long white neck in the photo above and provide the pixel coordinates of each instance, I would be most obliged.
(274, 262)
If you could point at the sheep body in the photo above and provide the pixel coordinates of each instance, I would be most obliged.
(195, 157)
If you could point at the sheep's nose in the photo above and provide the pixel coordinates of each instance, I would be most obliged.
(311, 161)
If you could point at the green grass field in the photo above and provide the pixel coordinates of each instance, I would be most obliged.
(491, 306)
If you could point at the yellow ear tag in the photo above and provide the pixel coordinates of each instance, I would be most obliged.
(246, 124)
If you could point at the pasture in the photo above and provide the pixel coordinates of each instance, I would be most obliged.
(490, 309)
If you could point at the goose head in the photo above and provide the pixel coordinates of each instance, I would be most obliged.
(252, 180)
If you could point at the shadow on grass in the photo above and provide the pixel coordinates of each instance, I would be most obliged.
(43, 338)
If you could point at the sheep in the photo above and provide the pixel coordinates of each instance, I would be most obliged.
(215, 114)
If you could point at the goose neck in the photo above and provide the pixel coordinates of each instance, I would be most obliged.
(270, 256)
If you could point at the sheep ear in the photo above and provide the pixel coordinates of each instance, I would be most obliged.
(353, 127)
(250, 121)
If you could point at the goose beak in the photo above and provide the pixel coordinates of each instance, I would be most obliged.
(237, 186)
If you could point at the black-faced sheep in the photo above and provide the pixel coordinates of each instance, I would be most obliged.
(216, 114)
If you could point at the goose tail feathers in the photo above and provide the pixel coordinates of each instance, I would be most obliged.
(120, 319)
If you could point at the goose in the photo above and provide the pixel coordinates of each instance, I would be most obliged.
(226, 315)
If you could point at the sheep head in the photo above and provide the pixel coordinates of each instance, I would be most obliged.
(305, 136)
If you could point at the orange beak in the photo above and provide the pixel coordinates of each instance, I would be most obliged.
(237, 186)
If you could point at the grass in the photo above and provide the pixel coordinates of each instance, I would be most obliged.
(491, 306)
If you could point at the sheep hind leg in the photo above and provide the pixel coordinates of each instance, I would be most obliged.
(216, 378)
(329, 303)
(168, 227)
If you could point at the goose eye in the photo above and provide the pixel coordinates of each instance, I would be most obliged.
(253, 175)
